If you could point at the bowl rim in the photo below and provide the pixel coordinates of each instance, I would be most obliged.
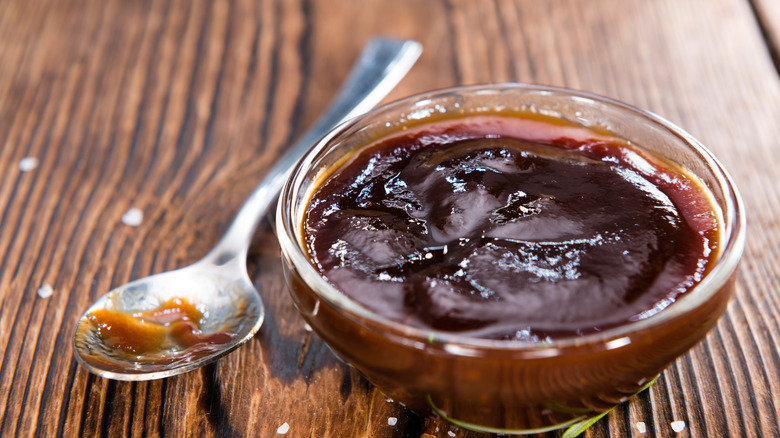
(733, 238)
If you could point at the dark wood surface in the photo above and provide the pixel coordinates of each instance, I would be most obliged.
(178, 107)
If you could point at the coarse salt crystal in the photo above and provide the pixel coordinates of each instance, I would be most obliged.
(391, 421)
(451, 433)
(677, 426)
(283, 429)
(27, 164)
(45, 291)
(641, 427)
(133, 217)
(306, 327)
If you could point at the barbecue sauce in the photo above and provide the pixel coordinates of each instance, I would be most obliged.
(524, 231)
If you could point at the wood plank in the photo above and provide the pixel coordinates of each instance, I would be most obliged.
(179, 107)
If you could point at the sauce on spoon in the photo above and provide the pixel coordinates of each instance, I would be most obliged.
(173, 326)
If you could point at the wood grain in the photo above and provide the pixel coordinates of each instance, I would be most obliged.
(768, 19)
(179, 107)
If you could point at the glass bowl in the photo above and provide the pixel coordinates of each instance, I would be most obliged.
(498, 385)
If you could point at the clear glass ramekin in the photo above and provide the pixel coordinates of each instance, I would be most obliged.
(509, 386)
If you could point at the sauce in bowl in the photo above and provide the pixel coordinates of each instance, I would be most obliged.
(461, 226)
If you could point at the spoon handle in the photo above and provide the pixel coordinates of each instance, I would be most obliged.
(382, 64)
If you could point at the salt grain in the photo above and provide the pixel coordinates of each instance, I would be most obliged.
(283, 429)
(27, 164)
(391, 421)
(306, 327)
(45, 291)
(133, 217)
(641, 427)
(451, 433)
(677, 426)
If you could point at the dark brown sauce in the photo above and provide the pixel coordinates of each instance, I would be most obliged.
(174, 325)
(523, 233)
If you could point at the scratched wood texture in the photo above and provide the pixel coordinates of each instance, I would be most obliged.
(177, 108)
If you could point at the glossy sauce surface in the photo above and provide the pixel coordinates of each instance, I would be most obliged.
(174, 325)
(506, 229)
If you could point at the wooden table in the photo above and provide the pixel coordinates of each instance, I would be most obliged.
(178, 107)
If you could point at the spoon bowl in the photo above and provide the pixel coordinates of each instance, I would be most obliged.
(228, 305)
(225, 295)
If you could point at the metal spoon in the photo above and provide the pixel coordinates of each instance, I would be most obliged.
(219, 283)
